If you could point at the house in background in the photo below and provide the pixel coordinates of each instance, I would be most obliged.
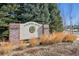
(74, 29)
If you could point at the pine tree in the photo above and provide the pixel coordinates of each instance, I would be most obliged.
(7, 13)
(55, 18)
(33, 12)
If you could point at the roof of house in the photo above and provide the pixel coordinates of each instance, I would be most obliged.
(72, 27)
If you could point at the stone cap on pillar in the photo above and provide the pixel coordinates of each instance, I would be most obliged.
(14, 25)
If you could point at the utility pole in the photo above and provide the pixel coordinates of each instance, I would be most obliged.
(64, 20)
(70, 17)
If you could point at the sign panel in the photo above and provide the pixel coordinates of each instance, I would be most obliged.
(29, 30)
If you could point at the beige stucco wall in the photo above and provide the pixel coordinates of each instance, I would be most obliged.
(24, 30)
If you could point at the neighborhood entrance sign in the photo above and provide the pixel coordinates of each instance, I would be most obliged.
(25, 31)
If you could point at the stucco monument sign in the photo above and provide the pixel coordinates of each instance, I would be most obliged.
(26, 31)
(30, 29)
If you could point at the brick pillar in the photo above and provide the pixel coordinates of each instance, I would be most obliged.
(14, 33)
(46, 29)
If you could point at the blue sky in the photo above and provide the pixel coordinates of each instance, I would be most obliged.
(67, 9)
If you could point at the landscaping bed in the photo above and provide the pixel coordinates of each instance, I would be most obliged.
(58, 49)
